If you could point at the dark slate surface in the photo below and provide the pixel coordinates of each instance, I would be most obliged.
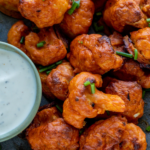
(20, 144)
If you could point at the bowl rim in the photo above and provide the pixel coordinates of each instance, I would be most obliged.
(37, 102)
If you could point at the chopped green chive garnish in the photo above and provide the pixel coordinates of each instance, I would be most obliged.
(40, 67)
(81, 131)
(47, 68)
(148, 19)
(143, 94)
(41, 44)
(135, 54)
(98, 14)
(59, 62)
(75, 4)
(107, 112)
(87, 83)
(81, 42)
(97, 28)
(124, 54)
(148, 128)
(92, 88)
(35, 28)
(47, 72)
(22, 39)
(147, 89)
(59, 108)
(149, 25)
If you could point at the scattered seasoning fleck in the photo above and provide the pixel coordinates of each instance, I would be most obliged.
(107, 112)
(148, 129)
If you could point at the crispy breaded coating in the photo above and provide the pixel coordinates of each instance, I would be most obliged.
(123, 14)
(93, 53)
(17, 31)
(131, 71)
(44, 13)
(113, 134)
(80, 21)
(81, 103)
(45, 89)
(50, 132)
(52, 51)
(58, 80)
(117, 43)
(104, 135)
(133, 138)
(10, 8)
(140, 40)
(145, 7)
(131, 94)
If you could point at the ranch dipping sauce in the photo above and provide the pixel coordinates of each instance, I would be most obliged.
(17, 90)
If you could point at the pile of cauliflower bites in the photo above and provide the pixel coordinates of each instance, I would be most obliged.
(99, 79)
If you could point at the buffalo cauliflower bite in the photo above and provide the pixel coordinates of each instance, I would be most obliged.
(131, 71)
(55, 132)
(17, 31)
(133, 138)
(103, 135)
(44, 13)
(58, 80)
(80, 21)
(131, 94)
(145, 6)
(52, 51)
(81, 103)
(10, 8)
(122, 14)
(45, 89)
(115, 134)
(140, 40)
(93, 53)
